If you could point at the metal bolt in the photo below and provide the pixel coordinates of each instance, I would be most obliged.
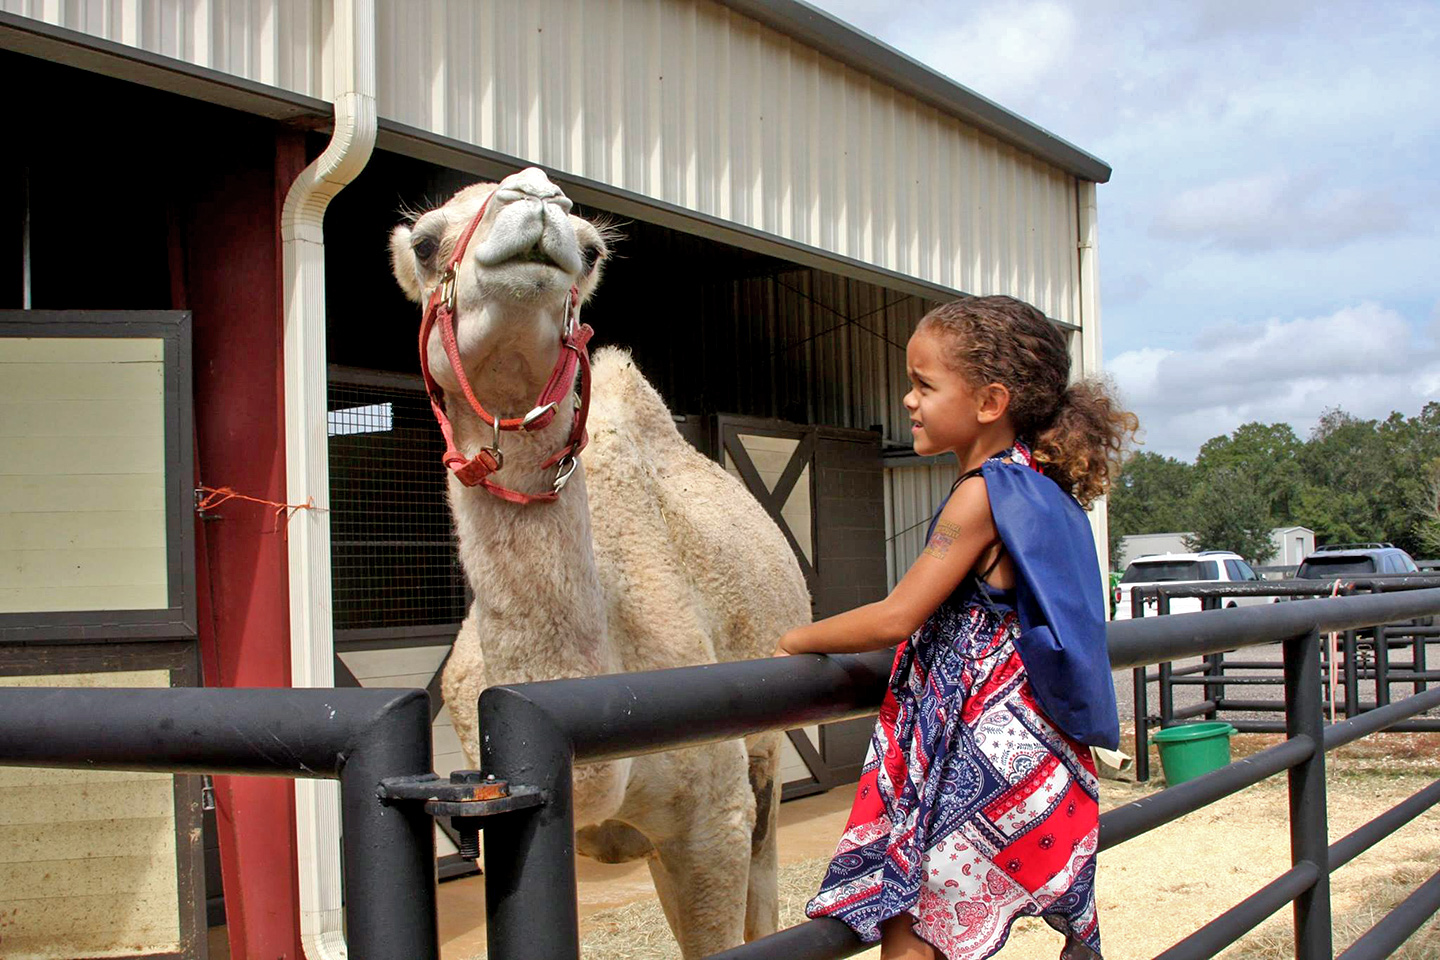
(468, 828)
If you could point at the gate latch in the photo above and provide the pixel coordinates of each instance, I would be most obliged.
(467, 797)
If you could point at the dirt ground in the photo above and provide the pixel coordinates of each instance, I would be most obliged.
(1153, 890)
(1159, 887)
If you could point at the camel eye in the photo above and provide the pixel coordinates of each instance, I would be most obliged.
(424, 248)
(589, 253)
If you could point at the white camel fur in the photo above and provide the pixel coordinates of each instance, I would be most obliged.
(652, 557)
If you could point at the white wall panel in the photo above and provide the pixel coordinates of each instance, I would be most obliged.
(276, 42)
(688, 102)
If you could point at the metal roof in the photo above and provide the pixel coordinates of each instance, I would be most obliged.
(837, 39)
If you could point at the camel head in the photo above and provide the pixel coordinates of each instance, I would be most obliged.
(512, 284)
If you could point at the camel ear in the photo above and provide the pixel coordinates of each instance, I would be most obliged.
(403, 265)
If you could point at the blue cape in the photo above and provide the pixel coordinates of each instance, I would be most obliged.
(1059, 599)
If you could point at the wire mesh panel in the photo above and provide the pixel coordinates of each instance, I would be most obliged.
(392, 547)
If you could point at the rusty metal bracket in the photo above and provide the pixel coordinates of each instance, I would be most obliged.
(467, 797)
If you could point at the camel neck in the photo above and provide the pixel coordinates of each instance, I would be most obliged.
(538, 598)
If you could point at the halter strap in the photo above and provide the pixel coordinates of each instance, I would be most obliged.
(573, 358)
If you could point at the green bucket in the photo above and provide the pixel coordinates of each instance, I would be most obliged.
(1192, 749)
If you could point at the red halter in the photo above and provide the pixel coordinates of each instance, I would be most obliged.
(476, 470)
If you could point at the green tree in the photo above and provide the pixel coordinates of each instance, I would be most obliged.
(1430, 511)
(1269, 454)
(1367, 479)
(1148, 496)
(1228, 511)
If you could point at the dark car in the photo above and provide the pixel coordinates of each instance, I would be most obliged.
(1336, 561)
(1340, 561)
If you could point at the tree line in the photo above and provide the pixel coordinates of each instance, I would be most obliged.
(1350, 480)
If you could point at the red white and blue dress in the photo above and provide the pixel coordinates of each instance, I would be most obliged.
(974, 808)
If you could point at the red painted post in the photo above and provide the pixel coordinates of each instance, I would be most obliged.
(233, 285)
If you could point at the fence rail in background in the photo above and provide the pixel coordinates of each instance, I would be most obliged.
(1217, 673)
(376, 742)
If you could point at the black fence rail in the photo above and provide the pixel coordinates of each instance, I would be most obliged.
(376, 743)
(1357, 658)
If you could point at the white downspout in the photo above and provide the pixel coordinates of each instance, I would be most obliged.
(1090, 344)
(351, 56)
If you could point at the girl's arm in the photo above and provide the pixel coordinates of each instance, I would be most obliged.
(964, 531)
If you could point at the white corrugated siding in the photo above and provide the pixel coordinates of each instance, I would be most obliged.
(690, 103)
(275, 42)
(681, 100)
(912, 495)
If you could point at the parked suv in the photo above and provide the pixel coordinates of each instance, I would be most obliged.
(1336, 560)
(1207, 566)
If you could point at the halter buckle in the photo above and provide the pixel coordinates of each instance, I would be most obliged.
(562, 475)
(536, 414)
(447, 289)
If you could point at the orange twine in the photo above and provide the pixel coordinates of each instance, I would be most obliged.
(218, 495)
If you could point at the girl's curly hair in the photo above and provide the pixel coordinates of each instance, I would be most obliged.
(1077, 431)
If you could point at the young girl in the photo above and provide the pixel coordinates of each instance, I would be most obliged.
(977, 803)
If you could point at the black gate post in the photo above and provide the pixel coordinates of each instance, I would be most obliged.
(1166, 688)
(529, 854)
(1142, 702)
(1352, 676)
(389, 850)
(1142, 733)
(1309, 838)
(1382, 666)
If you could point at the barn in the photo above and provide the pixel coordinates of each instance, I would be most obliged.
(216, 462)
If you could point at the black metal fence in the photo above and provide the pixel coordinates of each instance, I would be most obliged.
(376, 743)
(1357, 657)
(359, 737)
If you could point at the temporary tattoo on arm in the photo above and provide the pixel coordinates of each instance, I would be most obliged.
(942, 539)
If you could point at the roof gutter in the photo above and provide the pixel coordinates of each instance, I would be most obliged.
(351, 53)
(837, 39)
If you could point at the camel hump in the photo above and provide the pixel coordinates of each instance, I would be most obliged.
(623, 400)
(649, 485)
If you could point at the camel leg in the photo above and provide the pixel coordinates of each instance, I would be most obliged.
(461, 683)
(762, 902)
(701, 883)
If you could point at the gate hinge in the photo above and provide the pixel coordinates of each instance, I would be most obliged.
(466, 798)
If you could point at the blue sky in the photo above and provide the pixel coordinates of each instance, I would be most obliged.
(1268, 242)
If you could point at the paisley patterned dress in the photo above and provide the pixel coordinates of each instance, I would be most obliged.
(973, 809)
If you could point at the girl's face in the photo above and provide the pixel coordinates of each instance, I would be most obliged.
(944, 409)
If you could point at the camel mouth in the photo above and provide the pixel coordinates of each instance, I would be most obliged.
(536, 254)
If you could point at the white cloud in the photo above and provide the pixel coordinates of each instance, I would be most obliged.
(1275, 210)
(1366, 359)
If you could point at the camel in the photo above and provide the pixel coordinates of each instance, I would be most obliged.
(648, 556)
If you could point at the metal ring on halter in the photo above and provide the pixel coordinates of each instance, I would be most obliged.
(562, 475)
(494, 449)
(572, 315)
